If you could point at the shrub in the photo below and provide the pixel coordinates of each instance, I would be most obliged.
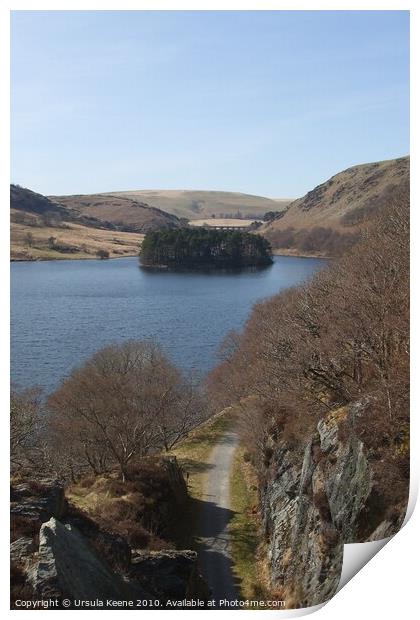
(102, 254)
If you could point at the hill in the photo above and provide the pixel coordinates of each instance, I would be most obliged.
(327, 219)
(192, 205)
(125, 213)
(25, 201)
(41, 229)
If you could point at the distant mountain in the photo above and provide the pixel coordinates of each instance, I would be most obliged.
(192, 204)
(327, 219)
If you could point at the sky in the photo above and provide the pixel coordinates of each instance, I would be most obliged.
(270, 103)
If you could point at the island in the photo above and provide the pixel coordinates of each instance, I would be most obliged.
(204, 248)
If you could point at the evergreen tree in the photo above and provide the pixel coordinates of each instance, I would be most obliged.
(204, 247)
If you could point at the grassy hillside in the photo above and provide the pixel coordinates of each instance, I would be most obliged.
(126, 213)
(70, 241)
(327, 218)
(40, 229)
(204, 204)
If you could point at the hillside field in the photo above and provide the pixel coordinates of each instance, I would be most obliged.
(192, 205)
(71, 242)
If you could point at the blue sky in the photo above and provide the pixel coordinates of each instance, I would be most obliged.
(268, 103)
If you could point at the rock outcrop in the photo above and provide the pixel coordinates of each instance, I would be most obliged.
(169, 574)
(58, 553)
(67, 567)
(312, 507)
(37, 501)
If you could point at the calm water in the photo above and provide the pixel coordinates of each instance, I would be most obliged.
(63, 311)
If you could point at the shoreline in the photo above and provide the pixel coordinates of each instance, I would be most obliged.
(215, 266)
(292, 254)
(276, 252)
(52, 260)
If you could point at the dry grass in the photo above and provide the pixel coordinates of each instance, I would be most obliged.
(193, 453)
(131, 509)
(348, 199)
(247, 564)
(197, 204)
(143, 509)
(120, 210)
(293, 252)
(81, 241)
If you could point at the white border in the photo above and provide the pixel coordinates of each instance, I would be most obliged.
(387, 585)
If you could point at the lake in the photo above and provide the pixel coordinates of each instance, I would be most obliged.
(63, 311)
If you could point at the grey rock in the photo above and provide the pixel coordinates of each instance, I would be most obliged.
(78, 560)
(38, 501)
(114, 549)
(313, 507)
(21, 549)
(298, 531)
(67, 567)
(169, 574)
(348, 481)
(387, 528)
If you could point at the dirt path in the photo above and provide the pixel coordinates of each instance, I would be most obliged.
(215, 561)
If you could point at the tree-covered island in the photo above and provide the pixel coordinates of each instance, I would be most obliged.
(204, 248)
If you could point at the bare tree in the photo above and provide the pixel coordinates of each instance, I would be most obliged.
(29, 239)
(321, 346)
(127, 401)
(25, 420)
